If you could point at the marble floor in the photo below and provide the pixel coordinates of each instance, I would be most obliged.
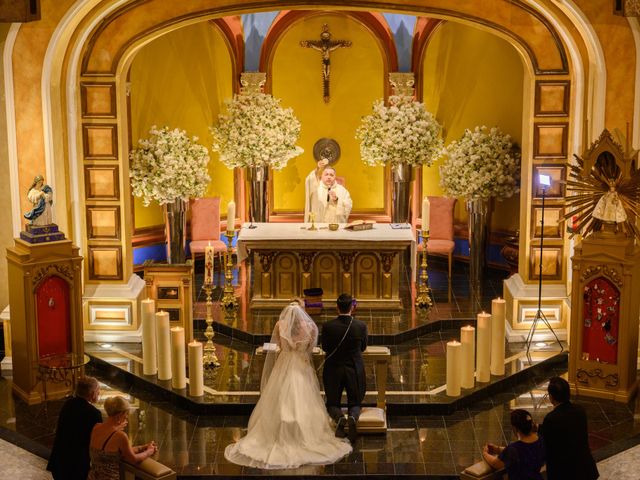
(437, 446)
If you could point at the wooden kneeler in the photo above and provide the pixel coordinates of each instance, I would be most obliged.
(374, 419)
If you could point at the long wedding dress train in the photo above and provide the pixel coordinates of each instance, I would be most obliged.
(289, 426)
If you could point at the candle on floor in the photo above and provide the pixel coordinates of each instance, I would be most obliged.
(208, 264)
(149, 354)
(196, 372)
(231, 216)
(164, 345)
(178, 367)
(483, 359)
(425, 214)
(498, 308)
(468, 340)
(454, 357)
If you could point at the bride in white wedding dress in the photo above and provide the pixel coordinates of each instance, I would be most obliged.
(289, 426)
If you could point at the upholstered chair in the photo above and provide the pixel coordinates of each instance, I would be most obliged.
(441, 228)
(205, 226)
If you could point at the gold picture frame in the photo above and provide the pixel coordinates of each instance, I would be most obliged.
(553, 222)
(557, 173)
(552, 262)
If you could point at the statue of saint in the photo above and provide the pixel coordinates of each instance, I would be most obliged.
(41, 196)
(609, 208)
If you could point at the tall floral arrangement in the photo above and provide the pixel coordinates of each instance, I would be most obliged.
(484, 163)
(402, 132)
(256, 131)
(168, 165)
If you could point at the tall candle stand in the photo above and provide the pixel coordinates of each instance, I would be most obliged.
(229, 300)
(209, 358)
(423, 299)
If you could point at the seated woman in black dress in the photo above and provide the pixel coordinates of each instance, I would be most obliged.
(523, 458)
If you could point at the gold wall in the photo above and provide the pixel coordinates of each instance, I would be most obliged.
(357, 79)
(181, 80)
(6, 223)
(470, 78)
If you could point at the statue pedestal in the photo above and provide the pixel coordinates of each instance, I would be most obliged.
(45, 294)
(604, 317)
(42, 233)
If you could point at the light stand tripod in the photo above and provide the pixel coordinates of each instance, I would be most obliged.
(545, 182)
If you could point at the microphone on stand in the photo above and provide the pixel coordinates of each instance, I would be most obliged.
(328, 196)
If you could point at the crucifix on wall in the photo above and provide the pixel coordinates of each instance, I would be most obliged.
(325, 46)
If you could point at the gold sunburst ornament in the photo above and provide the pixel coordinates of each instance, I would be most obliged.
(604, 188)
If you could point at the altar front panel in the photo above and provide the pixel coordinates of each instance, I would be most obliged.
(287, 259)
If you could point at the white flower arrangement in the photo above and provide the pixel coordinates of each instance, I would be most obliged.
(481, 164)
(168, 165)
(256, 131)
(401, 132)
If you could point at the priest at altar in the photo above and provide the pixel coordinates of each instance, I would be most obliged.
(326, 199)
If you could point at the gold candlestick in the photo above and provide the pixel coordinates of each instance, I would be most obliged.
(229, 300)
(209, 358)
(423, 299)
(312, 217)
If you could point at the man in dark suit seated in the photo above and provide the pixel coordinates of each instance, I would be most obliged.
(69, 458)
(565, 436)
(343, 340)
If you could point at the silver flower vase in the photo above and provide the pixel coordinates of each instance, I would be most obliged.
(258, 178)
(175, 224)
(402, 175)
(478, 209)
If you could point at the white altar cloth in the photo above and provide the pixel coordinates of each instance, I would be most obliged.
(281, 233)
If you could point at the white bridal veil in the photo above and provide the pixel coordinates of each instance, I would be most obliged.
(294, 331)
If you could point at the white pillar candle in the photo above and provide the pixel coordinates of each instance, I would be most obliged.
(468, 340)
(164, 345)
(208, 264)
(178, 367)
(425, 214)
(483, 360)
(196, 372)
(454, 357)
(149, 347)
(498, 307)
(231, 216)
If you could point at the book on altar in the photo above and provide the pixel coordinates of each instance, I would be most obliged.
(270, 347)
(360, 225)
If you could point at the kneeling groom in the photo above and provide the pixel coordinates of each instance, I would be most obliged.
(343, 340)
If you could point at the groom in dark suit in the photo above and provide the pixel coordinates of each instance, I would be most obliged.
(343, 340)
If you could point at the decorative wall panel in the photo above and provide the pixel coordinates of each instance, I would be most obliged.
(105, 263)
(100, 142)
(103, 222)
(101, 182)
(550, 140)
(552, 98)
(98, 100)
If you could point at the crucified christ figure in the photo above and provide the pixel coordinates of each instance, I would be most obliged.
(325, 46)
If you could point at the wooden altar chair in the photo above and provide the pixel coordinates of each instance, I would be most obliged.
(205, 226)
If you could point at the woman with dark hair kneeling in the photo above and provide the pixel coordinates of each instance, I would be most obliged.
(523, 458)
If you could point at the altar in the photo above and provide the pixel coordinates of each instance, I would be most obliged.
(287, 258)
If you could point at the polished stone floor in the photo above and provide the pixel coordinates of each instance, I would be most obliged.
(433, 445)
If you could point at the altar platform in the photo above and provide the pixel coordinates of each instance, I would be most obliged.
(430, 435)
